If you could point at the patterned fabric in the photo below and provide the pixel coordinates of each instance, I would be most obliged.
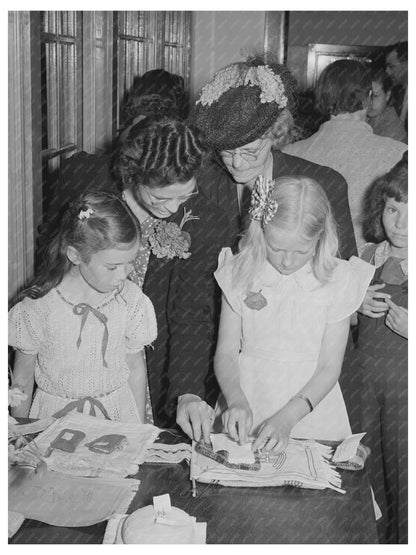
(48, 328)
(142, 260)
(350, 147)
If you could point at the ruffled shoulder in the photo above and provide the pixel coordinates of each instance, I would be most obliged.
(366, 251)
(224, 274)
(27, 325)
(348, 286)
(141, 327)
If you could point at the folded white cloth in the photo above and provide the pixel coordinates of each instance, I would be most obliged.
(15, 522)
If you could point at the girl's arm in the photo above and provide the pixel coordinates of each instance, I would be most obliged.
(24, 379)
(275, 430)
(238, 418)
(137, 380)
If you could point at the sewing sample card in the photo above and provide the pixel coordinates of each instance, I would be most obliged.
(64, 500)
(237, 453)
(107, 449)
(304, 463)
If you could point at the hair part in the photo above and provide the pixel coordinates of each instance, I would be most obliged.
(343, 87)
(392, 185)
(110, 224)
(158, 154)
(304, 210)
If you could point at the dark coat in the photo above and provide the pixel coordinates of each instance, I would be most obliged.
(187, 304)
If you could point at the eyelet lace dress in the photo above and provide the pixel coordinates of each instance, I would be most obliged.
(81, 350)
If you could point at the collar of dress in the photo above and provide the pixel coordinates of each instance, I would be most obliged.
(304, 277)
(382, 253)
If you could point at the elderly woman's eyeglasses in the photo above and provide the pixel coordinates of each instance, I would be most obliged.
(157, 201)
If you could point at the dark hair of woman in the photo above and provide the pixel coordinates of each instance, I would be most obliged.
(158, 154)
(343, 87)
(109, 224)
(156, 92)
(393, 184)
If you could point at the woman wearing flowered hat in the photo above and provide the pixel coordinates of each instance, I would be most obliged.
(245, 113)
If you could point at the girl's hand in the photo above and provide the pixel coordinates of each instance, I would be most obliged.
(372, 306)
(397, 319)
(274, 432)
(238, 421)
(195, 417)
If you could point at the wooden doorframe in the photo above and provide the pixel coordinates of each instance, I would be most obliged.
(276, 30)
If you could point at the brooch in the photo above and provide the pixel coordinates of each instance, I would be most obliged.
(255, 301)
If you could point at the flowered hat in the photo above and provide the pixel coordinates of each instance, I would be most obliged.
(241, 102)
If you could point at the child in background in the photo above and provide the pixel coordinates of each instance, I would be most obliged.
(381, 353)
(285, 319)
(81, 328)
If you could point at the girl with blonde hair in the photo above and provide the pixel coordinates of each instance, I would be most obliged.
(285, 315)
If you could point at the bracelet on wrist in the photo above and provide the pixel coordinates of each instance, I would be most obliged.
(304, 398)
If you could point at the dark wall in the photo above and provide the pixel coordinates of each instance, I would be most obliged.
(376, 28)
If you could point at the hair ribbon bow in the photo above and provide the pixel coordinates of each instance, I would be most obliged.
(263, 206)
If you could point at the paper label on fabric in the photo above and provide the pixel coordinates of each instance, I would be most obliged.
(348, 448)
(162, 508)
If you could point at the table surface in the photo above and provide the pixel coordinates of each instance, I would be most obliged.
(275, 515)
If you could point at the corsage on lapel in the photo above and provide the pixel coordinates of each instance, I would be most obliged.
(167, 240)
(255, 301)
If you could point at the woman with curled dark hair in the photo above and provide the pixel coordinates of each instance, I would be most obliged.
(159, 153)
(156, 92)
(157, 169)
(346, 142)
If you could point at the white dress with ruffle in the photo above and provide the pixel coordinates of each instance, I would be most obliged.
(78, 355)
(280, 343)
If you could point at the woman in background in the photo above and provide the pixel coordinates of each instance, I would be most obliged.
(381, 114)
(346, 142)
